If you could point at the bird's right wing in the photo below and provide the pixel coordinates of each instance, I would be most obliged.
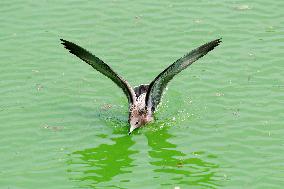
(158, 85)
(100, 66)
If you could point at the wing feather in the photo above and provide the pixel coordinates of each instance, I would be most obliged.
(158, 85)
(100, 66)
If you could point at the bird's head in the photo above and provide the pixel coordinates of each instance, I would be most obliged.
(137, 118)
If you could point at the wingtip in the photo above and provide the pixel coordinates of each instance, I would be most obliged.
(66, 44)
(219, 40)
(215, 43)
(63, 41)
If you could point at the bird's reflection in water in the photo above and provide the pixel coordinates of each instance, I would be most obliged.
(100, 166)
(173, 167)
(102, 163)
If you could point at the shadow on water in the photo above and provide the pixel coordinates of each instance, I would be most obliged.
(177, 167)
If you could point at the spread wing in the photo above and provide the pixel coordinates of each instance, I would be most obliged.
(100, 66)
(157, 86)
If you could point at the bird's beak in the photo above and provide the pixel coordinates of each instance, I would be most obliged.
(131, 129)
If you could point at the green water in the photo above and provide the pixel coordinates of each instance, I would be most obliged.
(64, 125)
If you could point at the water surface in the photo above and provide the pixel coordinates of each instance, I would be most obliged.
(64, 125)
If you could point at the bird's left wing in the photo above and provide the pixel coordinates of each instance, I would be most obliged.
(100, 66)
(158, 85)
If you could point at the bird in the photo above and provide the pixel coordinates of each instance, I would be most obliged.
(144, 99)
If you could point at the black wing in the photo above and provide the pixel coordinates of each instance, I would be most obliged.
(100, 66)
(157, 86)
